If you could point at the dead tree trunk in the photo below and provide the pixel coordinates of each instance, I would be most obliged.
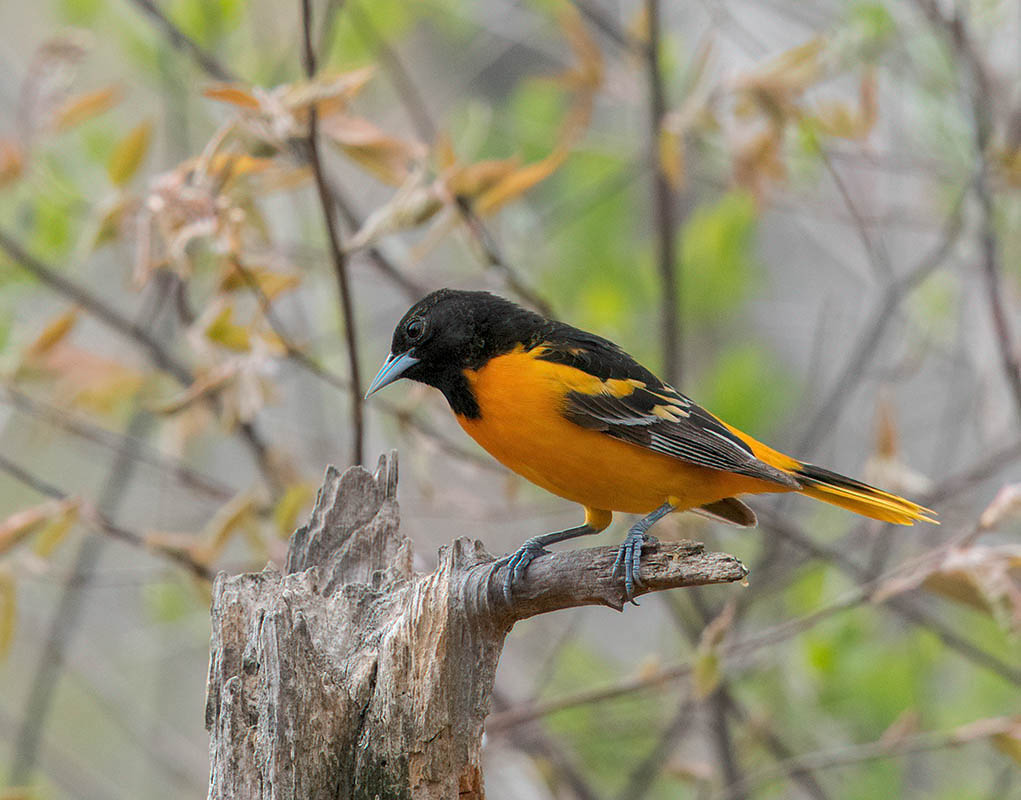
(351, 677)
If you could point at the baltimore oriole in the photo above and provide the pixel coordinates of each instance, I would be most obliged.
(578, 416)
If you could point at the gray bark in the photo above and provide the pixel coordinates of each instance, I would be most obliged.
(350, 676)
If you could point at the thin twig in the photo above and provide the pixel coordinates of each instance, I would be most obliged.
(716, 702)
(926, 741)
(39, 699)
(619, 36)
(778, 748)
(501, 721)
(537, 742)
(425, 128)
(512, 277)
(63, 625)
(79, 426)
(994, 290)
(973, 475)
(181, 41)
(901, 604)
(664, 202)
(101, 522)
(873, 331)
(875, 250)
(336, 250)
(100, 309)
(643, 776)
(958, 34)
(136, 333)
(411, 98)
(412, 289)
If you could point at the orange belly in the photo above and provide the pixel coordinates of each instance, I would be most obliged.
(522, 426)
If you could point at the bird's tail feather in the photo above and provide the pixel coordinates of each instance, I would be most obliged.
(859, 497)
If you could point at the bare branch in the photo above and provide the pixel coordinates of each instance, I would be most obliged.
(411, 288)
(535, 741)
(336, 250)
(664, 202)
(101, 522)
(1005, 340)
(583, 577)
(643, 776)
(501, 721)
(401, 79)
(422, 120)
(616, 34)
(957, 33)
(873, 331)
(903, 605)
(512, 277)
(975, 474)
(134, 332)
(103, 311)
(180, 40)
(856, 754)
(79, 426)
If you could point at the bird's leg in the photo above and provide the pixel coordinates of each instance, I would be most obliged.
(629, 556)
(518, 561)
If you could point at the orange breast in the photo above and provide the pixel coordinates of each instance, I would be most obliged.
(521, 425)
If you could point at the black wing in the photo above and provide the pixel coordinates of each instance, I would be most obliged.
(637, 407)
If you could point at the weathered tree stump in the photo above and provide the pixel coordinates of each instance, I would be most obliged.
(351, 677)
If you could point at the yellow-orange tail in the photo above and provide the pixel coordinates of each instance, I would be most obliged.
(859, 497)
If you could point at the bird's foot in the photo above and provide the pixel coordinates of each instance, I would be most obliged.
(518, 561)
(629, 559)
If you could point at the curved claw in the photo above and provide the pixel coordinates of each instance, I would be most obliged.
(629, 558)
(517, 562)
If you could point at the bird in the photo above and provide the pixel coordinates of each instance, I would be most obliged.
(575, 414)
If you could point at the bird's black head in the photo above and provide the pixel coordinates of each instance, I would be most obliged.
(450, 331)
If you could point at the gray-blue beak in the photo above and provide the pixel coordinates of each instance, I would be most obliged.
(393, 368)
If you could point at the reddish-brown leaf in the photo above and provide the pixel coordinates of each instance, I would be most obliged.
(520, 181)
(80, 108)
(12, 161)
(387, 157)
(234, 94)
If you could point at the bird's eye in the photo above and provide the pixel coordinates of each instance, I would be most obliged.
(414, 329)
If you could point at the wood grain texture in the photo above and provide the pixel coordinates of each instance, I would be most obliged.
(350, 676)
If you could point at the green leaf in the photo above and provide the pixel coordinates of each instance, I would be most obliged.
(225, 332)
